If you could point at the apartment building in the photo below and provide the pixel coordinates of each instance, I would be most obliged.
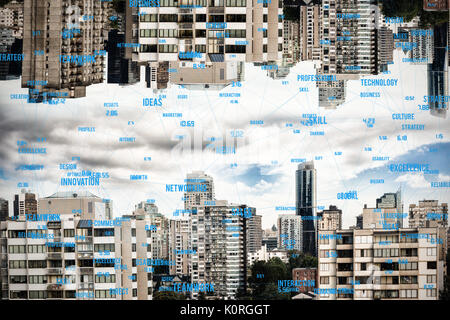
(75, 258)
(179, 248)
(11, 15)
(224, 30)
(6, 17)
(264, 255)
(83, 203)
(349, 37)
(63, 47)
(4, 209)
(218, 235)
(428, 213)
(330, 219)
(200, 188)
(254, 233)
(291, 42)
(25, 202)
(421, 46)
(310, 32)
(290, 232)
(388, 213)
(366, 264)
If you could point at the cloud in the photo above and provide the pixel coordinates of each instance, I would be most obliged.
(414, 180)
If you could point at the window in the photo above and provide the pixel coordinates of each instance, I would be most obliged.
(408, 279)
(431, 265)
(431, 251)
(280, 32)
(324, 280)
(105, 279)
(363, 266)
(37, 279)
(385, 294)
(237, 33)
(103, 294)
(408, 294)
(69, 249)
(18, 294)
(17, 264)
(389, 280)
(200, 18)
(264, 47)
(38, 295)
(236, 18)
(409, 266)
(70, 294)
(148, 48)
(236, 3)
(35, 264)
(104, 232)
(16, 234)
(168, 3)
(431, 292)
(168, 48)
(165, 33)
(16, 249)
(408, 239)
(69, 233)
(431, 278)
(149, 18)
(363, 239)
(199, 48)
(412, 252)
(386, 252)
(200, 33)
(148, 33)
(134, 292)
(386, 238)
(364, 253)
(18, 279)
(168, 18)
(234, 48)
(68, 263)
(324, 266)
(104, 247)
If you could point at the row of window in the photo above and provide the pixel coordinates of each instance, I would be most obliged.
(70, 294)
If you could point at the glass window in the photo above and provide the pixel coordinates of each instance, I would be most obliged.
(69, 233)
(324, 280)
(17, 264)
(324, 266)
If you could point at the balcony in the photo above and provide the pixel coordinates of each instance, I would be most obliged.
(54, 255)
(185, 25)
(86, 270)
(53, 287)
(54, 271)
(88, 285)
(216, 10)
(85, 255)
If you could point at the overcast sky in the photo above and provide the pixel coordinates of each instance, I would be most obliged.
(264, 176)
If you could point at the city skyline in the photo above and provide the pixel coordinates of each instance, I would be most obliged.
(224, 149)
